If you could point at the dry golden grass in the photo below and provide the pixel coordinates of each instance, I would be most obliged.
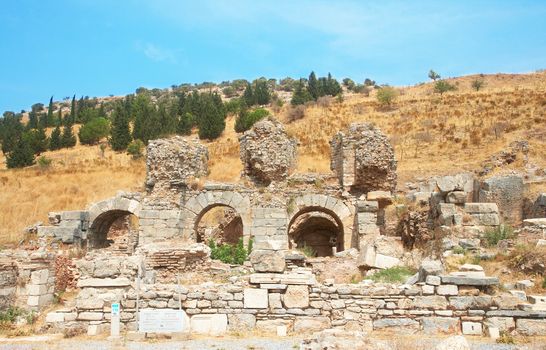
(431, 134)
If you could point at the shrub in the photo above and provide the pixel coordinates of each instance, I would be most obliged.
(44, 162)
(442, 86)
(21, 156)
(295, 113)
(386, 95)
(528, 259)
(308, 251)
(393, 274)
(94, 130)
(230, 253)
(494, 236)
(135, 149)
(477, 84)
(247, 118)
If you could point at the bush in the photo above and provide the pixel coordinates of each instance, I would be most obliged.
(295, 113)
(494, 236)
(44, 162)
(477, 84)
(442, 86)
(386, 95)
(94, 130)
(230, 253)
(21, 156)
(247, 118)
(393, 274)
(135, 149)
(528, 259)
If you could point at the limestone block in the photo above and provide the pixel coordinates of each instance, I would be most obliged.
(37, 289)
(402, 325)
(504, 324)
(89, 303)
(53, 317)
(492, 332)
(90, 316)
(296, 296)
(433, 280)
(456, 197)
(104, 282)
(453, 343)
(445, 325)
(39, 276)
(430, 268)
(472, 328)
(307, 324)
(470, 281)
(210, 324)
(481, 208)
(275, 301)
(367, 206)
(435, 302)
(447, 289)
(241, 322)
(383, 197)
(270, 326)
(255, 298)
(106, 268)
(446, 183)
(267, 260)
(531, 327)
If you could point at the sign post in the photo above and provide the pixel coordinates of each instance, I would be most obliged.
(114, 320)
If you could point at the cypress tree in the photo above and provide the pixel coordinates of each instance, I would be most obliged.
(211, 121)
(72, 118)
(248, 95)
(12, 130)
(68, 139)
(55, 141)
(312, 86)
(261, 92)
(59, 120)
(301, 95)
(21, 156)
(49, 116)
(120, 134)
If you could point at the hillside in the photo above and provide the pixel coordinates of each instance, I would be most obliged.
(431, 134)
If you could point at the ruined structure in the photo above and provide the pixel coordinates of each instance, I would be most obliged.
(344, 220)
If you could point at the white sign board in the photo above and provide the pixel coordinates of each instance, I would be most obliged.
(115, 309)
(161, 320)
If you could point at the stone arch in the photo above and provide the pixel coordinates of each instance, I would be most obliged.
(333, 207)
(199, 205)
(103, 214)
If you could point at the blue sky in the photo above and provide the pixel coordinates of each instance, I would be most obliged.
(102, 47)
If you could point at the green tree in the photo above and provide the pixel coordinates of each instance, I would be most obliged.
(301, 94)
(68, 139)
(120, 135)
(185, 123)
(433, 75)
(312, 86)
(442, 86)
(262, 96)
(146, 126)
(248, 95)
(12, 128)
(21, 156)
(246, 119)
(478, 84)
(49, 115)
(55, 140)
(211, 120)
(135, 149)
(37, 140)
(72, 117)
(94, 130)
(349, 83)
(386, 95)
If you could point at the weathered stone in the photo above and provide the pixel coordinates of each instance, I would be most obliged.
(456, 197)
(470, 281)
(508, 192)
(453, 343)
(472, 328)
(435, 302)
(306, 324)
(267, 152)
(106, 268)
(504, 324)
(241, 322)
(54, 317)
(447, 289)
(212, 324)
(174, 161)
(402, 325)
(255, 298)
(296, 297)
(531, 327)
(267, 261)
(90, 316)
(363, 159)
(445, 325)
(430, 268)
(433, 280)
(104, 282)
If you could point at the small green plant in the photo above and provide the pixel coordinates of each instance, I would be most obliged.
(477, 84)
(393, 275)
(44, 162)
(135, 149)
(308, 251)
(386, 95)
(544, 282)
(9, 316)
(291, 205)
(442, 86)
(493, 237)
(355, 279)
(506, 338)
(230, 253)
(459, 250)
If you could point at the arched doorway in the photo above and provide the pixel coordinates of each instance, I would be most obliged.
(317, 231)
(116, 230)
(220, 223)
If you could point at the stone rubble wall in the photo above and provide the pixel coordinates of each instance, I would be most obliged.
(264, 301)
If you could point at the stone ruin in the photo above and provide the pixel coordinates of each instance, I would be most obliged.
(267, 152)
(363, 159)
(348, 224)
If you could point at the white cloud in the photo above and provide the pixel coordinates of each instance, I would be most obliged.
(156, 53)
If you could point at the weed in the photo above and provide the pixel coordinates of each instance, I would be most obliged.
(459, 250)
(308, 251)
(230, 253)
(44, 163)
(506, 338)
(291, 205)
(393, 274)
(493, 237)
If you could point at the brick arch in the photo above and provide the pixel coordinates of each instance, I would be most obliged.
(332, 206)
(195, 207)
(104, 213)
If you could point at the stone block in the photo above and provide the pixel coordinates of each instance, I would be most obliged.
(492, 332)
(54, 317)
(504, 324)
(39, 276)
(531, 327)
(241, 322)
(275, 301)
(255, 298)
(270, 326)
(104, 282)
(453, 343)
(90, 316)
(470, 281)
(435, 302)
(296, 296)
(481, 208)
(267, 260)
(433, 280)
(383, 197)
(430, 268)
(89, 303)
(401, 325)
(447, 289)
(444, 325)
(37, 289)
(456, 197)
(210, 324)
(306, 324)
(472, 328)
(367, 206)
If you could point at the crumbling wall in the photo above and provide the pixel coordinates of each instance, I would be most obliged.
(267, 152)
(363, 159)
(508, 192)
(172, 162)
